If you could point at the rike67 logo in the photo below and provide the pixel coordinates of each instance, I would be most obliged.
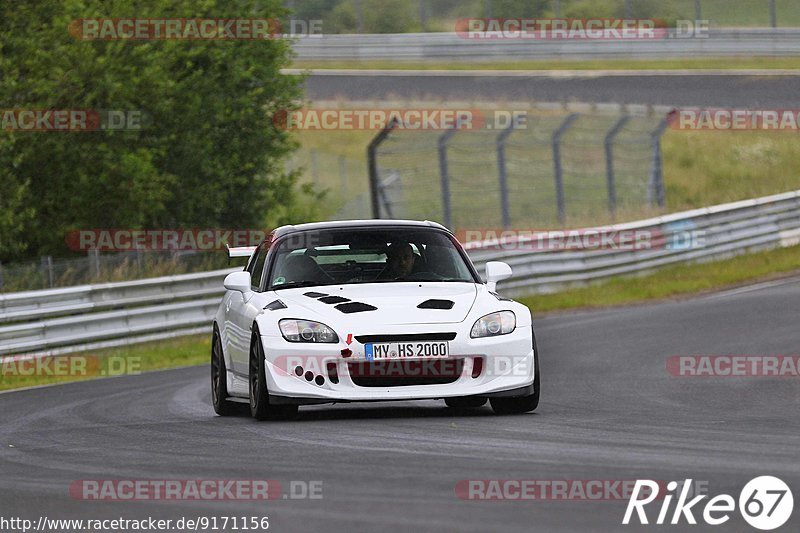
(765, 503)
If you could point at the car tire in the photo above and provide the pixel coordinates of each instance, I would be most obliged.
(219, 378)
(461, 403)
(521, 404)
(260, 407)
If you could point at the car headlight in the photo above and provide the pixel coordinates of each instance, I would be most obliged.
(306, 331)
(494, 324)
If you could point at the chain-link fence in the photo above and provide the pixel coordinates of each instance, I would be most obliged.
(559, 169)
(404, 16)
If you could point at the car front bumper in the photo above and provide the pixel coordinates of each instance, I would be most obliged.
(302, 373)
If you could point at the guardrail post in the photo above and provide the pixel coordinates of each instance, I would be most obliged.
(773, 17)
(444, 176)
(501, 174)
(609, 146)
(655, 190)
(556, 142)
(372, 164)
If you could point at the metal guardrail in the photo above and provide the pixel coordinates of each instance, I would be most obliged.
(450, 46)
(111, 314)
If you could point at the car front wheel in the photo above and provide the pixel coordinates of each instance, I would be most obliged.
(260, 407)
(521, 404)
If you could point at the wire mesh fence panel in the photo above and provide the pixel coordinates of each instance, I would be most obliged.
(507, 178)
(412, 158)
(529, 159)
(633, 159)
(474, 184)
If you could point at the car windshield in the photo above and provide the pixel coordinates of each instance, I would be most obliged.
(367, 255)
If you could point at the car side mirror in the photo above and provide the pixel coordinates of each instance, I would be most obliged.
(496, 271)
(238, 281)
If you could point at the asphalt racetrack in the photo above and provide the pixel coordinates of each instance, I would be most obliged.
(609, 411)
(670, 88)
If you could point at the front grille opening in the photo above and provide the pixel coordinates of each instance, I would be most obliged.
(477, 367)
(405, 373)
(408, 337)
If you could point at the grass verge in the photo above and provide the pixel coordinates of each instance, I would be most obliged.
(676, 281)
(160, 355)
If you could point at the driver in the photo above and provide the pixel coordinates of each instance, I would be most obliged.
(399, 261)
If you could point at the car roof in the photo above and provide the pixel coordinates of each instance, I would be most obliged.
(344, 224)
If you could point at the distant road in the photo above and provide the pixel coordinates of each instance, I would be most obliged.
(678, 88)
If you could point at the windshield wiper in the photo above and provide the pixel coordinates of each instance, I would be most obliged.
(297, 284)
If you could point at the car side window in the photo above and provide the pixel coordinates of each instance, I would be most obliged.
(256, 267)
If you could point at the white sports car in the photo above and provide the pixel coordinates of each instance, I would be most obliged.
(369, 310)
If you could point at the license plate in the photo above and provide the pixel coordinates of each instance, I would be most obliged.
(405, 350)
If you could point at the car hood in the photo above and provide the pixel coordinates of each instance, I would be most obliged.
(394, 303)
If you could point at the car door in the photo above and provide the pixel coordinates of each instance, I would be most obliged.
(242, 310)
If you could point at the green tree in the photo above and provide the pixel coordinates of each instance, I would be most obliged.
(208, 153)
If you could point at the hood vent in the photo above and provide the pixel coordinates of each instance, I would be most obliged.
(313, 294)
(436, 304)
(355, 307)
(274, 306)
(333, 299)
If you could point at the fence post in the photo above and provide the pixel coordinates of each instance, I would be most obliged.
(501, 171)
(423, 16)
(343, 176)
(698, 11)
(556, 142)
(628, 9)
(359, 17)
(656, 188)
(94, 260)
(487, 8)
(773, 16)
(444, 176)
(314, 167)
(47, 270)
(2, 280)
(609, 146)
(558, 9)
(372, 164)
